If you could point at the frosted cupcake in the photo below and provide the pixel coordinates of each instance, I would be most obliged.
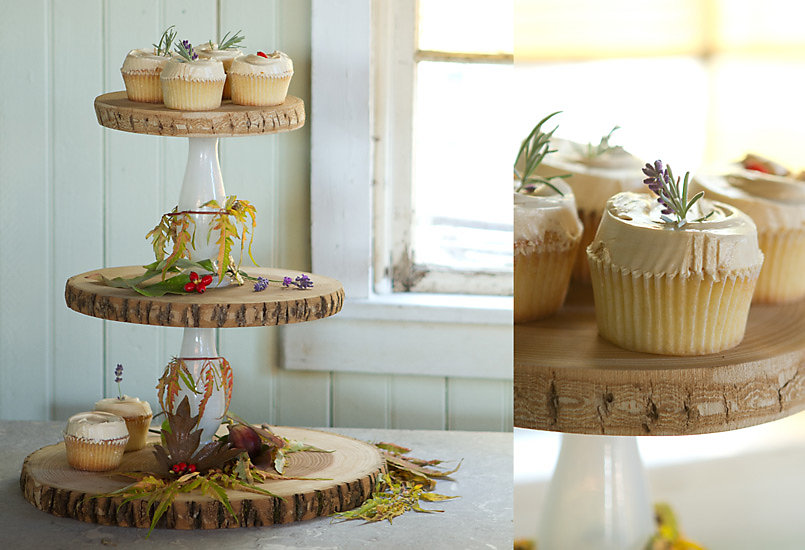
(136, 413)
(594, 173)
(225, 52)
(142, 68)
(95, 441)
(190, 83)
(261, 79)
(776, 203)
(674, 277)
(547, 232)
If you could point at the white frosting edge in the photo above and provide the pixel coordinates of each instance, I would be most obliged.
(127, 407)
(252, 64)
(97, 426)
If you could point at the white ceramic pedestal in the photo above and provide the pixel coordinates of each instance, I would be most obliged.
(202, 183)
(598, 497)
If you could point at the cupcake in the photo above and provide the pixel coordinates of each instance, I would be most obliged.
(136, 413)
(190, 83)
(225, 52)
(672, 276)
(594, 173)
(95, 441)
(261, 79)
(141, 69)
(776, 203)
(547, 233)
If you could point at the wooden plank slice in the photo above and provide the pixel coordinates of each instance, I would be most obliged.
(115, 111)
(51, 485)
(232, 306)
(569, 379)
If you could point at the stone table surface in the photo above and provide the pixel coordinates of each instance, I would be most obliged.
(481, 518)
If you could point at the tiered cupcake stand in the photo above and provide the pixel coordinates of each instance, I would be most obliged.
(344, 478)
(568, 379)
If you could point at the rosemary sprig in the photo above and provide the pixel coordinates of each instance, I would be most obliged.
(603, 146)
(228, 43)
(164, 46)
(672, 196)
(533, 150)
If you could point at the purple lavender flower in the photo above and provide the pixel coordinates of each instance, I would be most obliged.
(119, 379)
(261, 284)
(303, 281)
(671, 193)
(185, 49)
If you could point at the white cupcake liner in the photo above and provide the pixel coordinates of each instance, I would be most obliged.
(782, 278)
(541, 279)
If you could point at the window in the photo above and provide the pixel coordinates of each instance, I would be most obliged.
(354, 141)
(445, 142)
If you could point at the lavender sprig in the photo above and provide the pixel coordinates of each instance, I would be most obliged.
(119, 379)
(186, 51)
(301, 282)
(533, 150)
(592, 151)
(164, 46)
(672, 197)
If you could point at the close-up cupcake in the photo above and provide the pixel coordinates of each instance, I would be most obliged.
(226, 51)
(671, 275)
(136, 413)
(190, 83)
(594, 173)
(142, 68)
(776, 203)
(261, 79)
(95, 441)
(547, 232)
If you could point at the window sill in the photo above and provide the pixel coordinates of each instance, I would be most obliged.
(433, 335)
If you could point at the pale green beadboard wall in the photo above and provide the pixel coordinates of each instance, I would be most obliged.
(77, 197)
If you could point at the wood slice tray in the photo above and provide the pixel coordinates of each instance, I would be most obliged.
(114, 110)
(569, 379)
(51, 485)
(232, 306)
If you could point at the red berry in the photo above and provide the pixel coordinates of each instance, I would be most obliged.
(262, 54)
(200, 288)
(193, 276)
(757, 167)
(206, 280)
(192, 468)
(190, 287)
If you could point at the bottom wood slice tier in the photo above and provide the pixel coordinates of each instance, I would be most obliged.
(569, 379)
(346, 479)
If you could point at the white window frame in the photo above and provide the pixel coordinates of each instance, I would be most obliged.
(377, 331)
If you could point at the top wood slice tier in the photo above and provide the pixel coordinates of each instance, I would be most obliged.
(569, 379)
(231, 306)
(115, 111)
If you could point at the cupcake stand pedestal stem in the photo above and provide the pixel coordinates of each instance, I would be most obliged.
(598, 496)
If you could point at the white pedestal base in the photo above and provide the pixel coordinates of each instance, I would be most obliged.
(598, 497)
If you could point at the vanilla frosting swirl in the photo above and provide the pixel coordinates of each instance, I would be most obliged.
(773, 202)
(593, 179)
(144, 60)
(198, 70)
(633, 237)
(212, 52)
(96, 426)
(545, 212)
(276, 65)
(127, 407)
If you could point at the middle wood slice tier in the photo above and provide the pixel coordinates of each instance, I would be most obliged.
(569, 379)
(231, 306)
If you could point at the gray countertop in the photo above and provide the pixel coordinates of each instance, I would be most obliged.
(481, 518)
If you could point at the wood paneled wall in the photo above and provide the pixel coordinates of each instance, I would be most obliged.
(77, 197)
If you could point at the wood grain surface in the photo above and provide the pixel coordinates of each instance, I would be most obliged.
(115, 111)
(51, 485)
(232, 306)
(569, 379)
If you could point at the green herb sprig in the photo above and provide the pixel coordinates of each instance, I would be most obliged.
(533, 150)
(592, 151)
(230, 43)
(671, 195)
(164, 46)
